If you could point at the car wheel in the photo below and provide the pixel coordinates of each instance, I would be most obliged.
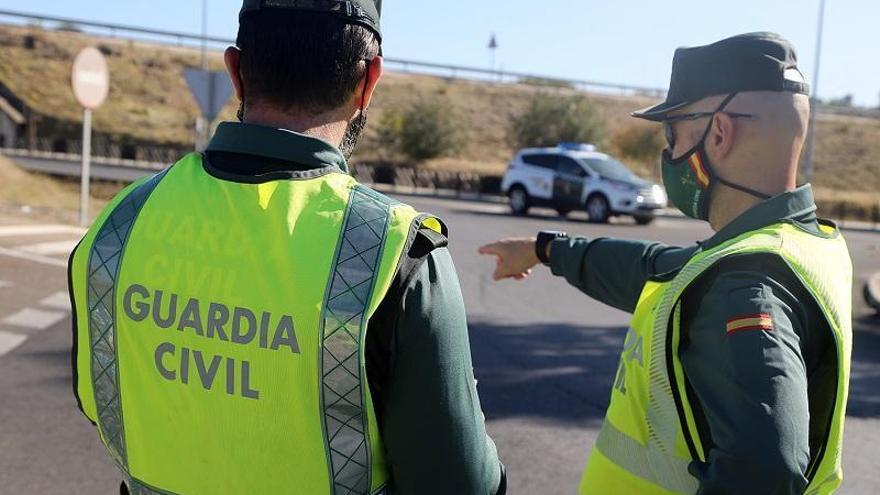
(519, 200)
(598, 209)
(563, 212)
(872, 292)
(644, 219)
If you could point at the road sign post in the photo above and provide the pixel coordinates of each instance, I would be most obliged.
(211, 90)
(86, 168)
(91, 84)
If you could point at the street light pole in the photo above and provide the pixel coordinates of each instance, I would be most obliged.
(201, 124)
(814, 100)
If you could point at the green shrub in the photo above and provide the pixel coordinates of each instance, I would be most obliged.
(429, 128)
(642, 142)
(384, 141)
(551, 119)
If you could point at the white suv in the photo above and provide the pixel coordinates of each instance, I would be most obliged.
(576, 176)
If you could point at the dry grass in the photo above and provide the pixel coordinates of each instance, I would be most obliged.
(149, 101)
(47, 197)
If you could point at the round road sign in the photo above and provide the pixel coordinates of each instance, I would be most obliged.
(90, 78)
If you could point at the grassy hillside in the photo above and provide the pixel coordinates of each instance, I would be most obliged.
(149, 101)
(47, 197)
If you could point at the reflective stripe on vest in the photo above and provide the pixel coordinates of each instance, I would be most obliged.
(137, 356)
(105, 259)
(649, 436)
(344, 325)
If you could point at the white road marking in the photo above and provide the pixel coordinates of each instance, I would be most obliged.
(35, 319)
(9, 341)
(12, 253)
(49, 248)
(58, 300)
(17, 230)
(4, 284)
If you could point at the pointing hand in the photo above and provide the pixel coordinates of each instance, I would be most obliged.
(515, 258)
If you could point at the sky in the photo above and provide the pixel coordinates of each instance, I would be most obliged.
(614, 41)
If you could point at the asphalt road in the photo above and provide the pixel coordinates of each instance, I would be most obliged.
(544, 356)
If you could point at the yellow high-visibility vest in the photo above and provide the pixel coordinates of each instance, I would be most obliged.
(220, 331)
(649, 436)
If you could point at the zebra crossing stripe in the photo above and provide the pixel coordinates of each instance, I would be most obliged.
(9, 341)
(58, 300)
(19, 230)
(58, 247)
(34, 319)
(37, 258)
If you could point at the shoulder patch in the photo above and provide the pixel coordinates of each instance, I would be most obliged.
(742, 323)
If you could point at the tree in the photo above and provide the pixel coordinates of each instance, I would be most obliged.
(427, 129)
(551, 119)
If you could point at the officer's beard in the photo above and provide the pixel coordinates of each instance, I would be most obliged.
(353, 134)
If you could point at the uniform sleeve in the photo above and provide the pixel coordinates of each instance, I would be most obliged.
(432, 424)
(614, 271)
(744, 364)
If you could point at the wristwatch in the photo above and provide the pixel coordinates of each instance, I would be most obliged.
(545, 237)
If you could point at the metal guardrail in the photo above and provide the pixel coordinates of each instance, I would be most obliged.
(426, 68)
(410, 66)
(76, 158)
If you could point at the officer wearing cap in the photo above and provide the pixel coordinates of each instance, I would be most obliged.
(733, 377)
(254, 321)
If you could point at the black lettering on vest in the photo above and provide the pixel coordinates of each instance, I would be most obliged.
(164, 348)
(206, 375)
(285, 335)
(143, 308)
(218, 315)
(264, 330)
(230, 376)
(237, 316)
(191, 317)
(157, 310)
(246, 390)
(184, 365)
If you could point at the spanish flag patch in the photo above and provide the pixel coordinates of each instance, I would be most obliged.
(750, 322)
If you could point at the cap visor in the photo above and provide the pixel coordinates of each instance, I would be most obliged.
(658, 113)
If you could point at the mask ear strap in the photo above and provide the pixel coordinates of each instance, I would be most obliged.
(366, 82)
(720, 109)
(240, 114)
(744, 189)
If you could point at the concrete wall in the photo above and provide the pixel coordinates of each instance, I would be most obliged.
(8, 131)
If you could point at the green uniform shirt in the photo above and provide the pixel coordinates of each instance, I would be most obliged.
(760, 396)
(417, 350)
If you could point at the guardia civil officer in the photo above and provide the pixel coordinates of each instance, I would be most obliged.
(733, 378)
(254, 321)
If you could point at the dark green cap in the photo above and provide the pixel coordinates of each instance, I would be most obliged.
(362, 12)
(747, 62)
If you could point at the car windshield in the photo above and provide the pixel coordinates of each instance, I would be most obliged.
(609, 168)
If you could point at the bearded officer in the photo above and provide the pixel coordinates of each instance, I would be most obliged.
(252, 320)
(734, 373)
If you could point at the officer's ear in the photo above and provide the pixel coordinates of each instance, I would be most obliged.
(232, 57)
(721, 137)
(368, 84)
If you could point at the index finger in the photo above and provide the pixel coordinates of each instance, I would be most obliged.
(492, 248)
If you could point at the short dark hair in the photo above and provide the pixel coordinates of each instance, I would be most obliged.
(305, 61)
